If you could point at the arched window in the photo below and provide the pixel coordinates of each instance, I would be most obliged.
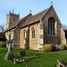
(24, 34)
(51, 26)
(33, 33)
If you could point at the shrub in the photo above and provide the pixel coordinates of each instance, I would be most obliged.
(58, 47)
(2, 44)
(61, 47)
(65, 45)
(47, 48)
(50, 47)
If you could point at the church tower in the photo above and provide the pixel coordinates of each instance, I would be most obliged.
(11, 18)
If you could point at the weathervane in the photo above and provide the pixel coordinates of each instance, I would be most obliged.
(51, 3)
(30, 11)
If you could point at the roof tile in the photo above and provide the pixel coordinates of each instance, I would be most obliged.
(35, 18)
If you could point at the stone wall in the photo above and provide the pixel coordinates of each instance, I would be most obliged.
(52, 39)
(63, 39)
(31, 42)
(17, 37)
(34, 42)
(22, 38)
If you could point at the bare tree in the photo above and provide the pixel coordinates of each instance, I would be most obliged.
(2, 27)
(64, 26)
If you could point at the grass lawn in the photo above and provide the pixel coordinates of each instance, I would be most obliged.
(45, 60)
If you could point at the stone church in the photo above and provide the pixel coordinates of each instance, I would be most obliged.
(33, 31)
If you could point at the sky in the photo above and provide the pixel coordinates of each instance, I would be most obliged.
(23, 8)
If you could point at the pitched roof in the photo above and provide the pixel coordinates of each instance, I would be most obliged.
(35, 18)
(14, 24)
(65, 29)
(2, 33)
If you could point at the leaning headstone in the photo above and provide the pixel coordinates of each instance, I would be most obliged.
(21, 53)
(16, 61)
(9, 56)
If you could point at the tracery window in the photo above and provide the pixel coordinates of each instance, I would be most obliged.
(51, 26)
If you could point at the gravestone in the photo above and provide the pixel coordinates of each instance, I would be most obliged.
(21, 53)
(9, 55)
(61, 63)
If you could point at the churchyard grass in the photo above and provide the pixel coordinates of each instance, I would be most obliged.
(45, 60)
